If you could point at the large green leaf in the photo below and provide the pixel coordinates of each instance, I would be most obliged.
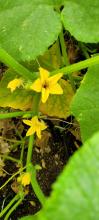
(4, 4)
(85, 106)
(27, 30)
(75, 194)
(81, 18)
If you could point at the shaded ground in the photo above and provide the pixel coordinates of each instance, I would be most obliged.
(51, 153)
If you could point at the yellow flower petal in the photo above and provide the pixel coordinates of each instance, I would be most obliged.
(36, 86)
(13, 84)
(39, 133)
(35, 126)
(56, 89)
(45, 94)
(44, 74)
(28, 122)
(54, 79)
(34, 120)
(26, 179)
(47, 85)
(43, 125)
(30, 131)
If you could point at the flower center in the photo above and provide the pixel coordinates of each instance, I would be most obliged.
(45, 85)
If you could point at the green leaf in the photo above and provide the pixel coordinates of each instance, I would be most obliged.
(85, 105)
(27, 30)
(59, 105)
(81, 18)
(75, 194)
(19, 99)
(4, 4)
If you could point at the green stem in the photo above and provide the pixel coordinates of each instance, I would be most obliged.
(30, 148)
(22, 154)
(13, 208)
(30, 168)
(18, 172)
(77, 66)
(14, 146)
(18, 133)
(36, 188)
(62, 43)
(66, 60)
(13, 64)
(11, 140)
(14, 114)
(9, 205)
(10, 158)
(63, 48)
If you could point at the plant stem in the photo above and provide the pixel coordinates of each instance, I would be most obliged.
(13, 208)
(30, 168)
(77, 66)
(30, 148)
(62, 43)
(10, 158)
(64, 53)
(22, 154)
(66, 60)
(63, 48)
(36, 188)
(18, 133)
(14, 114)
(13, 64)
(11, 140)
(9, 205)
(18, 172)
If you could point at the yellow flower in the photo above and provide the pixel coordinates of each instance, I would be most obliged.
(13, 84)
(47, 85)
(25, 179)
(35, 126)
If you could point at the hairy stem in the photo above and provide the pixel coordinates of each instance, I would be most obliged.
(78, 66)
(14, 114)
(13, 64)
